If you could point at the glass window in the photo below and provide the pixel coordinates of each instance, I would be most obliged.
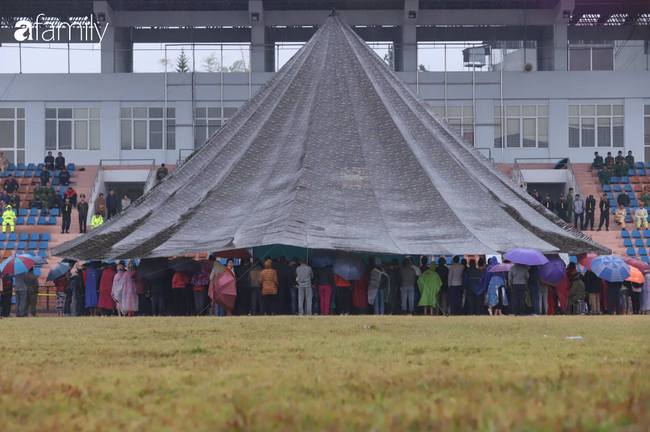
(80, 135)
(65, 134)
(604, 132)
(171, 112)
(81, 113)
(618, 110)
(530, 134)
(498, 139)
(513, 133)
(646, 134)
(529, 111)
(156, 134)
(513, 111)
(604, 110)
(50, 134)
(646, 110)
(574, 132)
(95, 135)
(579, 59)
(214, 112)
(617, 132)
(200, 112)
(94, 113)
(455, 124)
(468, 111)
(7, 113)
(125, 112)
(588, 132)
(542, 110)
(171, 134)
(574, 110)
(50, 113)
(125, 135)
(588, 110)
(497, 111)
(452, 111)
(542, 132)
(156, 113)
(20, 134)
(229, 112)
(602, 58)
(6, 134)
(20, 113)
(139, 134)
(65, 113)
(139, 113)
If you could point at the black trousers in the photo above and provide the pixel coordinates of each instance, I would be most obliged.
(111, 212)
(65, 224)
(636, 302)
(270, 304)
(82, 223)
(613, 300)
(256, 301)
(604, 218)
(589, 220)
(343, 299)
(580, 217)
(518, 303)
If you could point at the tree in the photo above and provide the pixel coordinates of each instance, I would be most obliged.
(182, 65)
(238, 66)
(165, 63)
(389, 58)
(211, 63)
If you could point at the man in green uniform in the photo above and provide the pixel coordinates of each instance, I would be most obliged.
(32, 292)
(38, 192)
(569, 203)
(622, 169)
(598, 162)
(645, 197)
(609, 160)
(629, 160)
(605, 175)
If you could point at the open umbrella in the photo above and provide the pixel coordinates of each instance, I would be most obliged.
(525, 256)
(322, 258)
(184, 264)
(349, 266)
(17, 264)
(638, 264)
(586, 259)
(233, 253)
(553, 271)
(223, 290)
(60, 269)
(611, 268)
(636, 276)
(500, 268)
(152, 268)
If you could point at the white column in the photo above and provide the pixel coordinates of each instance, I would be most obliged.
(633, 128)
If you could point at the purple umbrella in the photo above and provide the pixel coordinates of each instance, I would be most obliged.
(553, 271)
(525, 256)
(500, 268)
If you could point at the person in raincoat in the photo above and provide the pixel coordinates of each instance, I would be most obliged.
(106, 302)
(125, 289)
(495, 297)
(429, 285)
(8, 218)
(93, 278)
(96, 221)
(378, 288)
(200, 282)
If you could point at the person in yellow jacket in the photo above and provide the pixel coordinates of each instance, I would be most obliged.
(96, 221)
(8, 218)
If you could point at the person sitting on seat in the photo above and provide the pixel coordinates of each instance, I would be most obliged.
(622, 169)
(59, 162)
(45, 176)
(619, 157)
(609, 160)
(623, 199)
(605, 176)
(598, 162)
(14, 200)
(96, 221)
(49, 161)
(645, 197)
(10, 185)
(641, 216)
(64, 177)
(620, 214)
(38, 193)
(8, 218)
(629, 160)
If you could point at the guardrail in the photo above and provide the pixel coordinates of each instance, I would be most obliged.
(181, 157)
(564, 163)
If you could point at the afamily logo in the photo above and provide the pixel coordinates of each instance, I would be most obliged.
(88, 31)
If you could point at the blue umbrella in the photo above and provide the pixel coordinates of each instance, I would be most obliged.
(17, 264)
(60, 269)
(525, 256)
(322, 258)
(610, 268)
(554, 270)
(349, 266)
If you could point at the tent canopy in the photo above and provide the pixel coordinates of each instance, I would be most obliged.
(334, 152)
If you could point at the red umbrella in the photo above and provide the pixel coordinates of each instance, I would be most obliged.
(638, 264)
(223, 290)
(586, 259)
(234, 254)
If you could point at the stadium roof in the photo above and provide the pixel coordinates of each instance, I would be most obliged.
(334, 152)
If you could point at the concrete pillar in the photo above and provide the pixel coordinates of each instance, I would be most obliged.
(269, 52)
(108, 51)
(256, 15)
(552, 49)
(406, 48)
(123, 50)
(633, 128)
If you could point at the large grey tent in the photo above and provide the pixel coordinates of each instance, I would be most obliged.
(334, 152)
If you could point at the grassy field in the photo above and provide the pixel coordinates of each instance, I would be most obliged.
(325, 373)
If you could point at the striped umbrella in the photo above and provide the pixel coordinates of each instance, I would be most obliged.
(611, 268)
(17, 264)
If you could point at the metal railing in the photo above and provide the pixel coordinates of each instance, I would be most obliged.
(182, 155)
(553, 163)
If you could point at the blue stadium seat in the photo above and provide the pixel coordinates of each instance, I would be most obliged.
(31, 221)
(625, 179)
(643, 252)
(638, 243)
(71, 167)
(615, 179)
(625, 234)
(29, 174)
(631, 252)
(55, 212)
(46, 237)
(642, 172)
(13, 237)
(45, 212)
(2, 245)
(628, 211)
(32, 245)
(645, 259)
(31, 252)
(35, 237)
(610, 195)
(55, 182)
(634, 203)
(631, 172)
(11, 245)
(51, 220)
(42, 220)
(646, 234)
(3, 237)
(43, 245)
(62, 190)
(617, 188)
(22, 212)
(40, 167)
(639, 165)
(628, 188)
(18, 174)
(636, 234)
(573, 259)
(11, 167)
(20, 167)
(24, 237)
(42, 254)
(613, 203)
(607, 188)
(22, 245)
(33, 212)
(627, 242)
(32, 167)
(20, 220)
(632, 196)
(629, 219)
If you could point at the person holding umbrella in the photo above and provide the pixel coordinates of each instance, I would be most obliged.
(593, 287)
(613, 270)
(31, 280)
(61, 284)
(20, 290)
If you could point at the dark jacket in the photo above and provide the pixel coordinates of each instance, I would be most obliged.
(593, 284)
(59, 162)
(82, 208)
(562, 208)
(66, 209)
(590, 205)
(45, 177)
(623, 199)
(10, 185)
(64, 178)
(111, 202)
(549, 205)
(443, 272)
(604, 206)
(49, 162)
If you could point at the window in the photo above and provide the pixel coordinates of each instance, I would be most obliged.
(591, 55)
(595, 126)
(142, 128)
(525, 126)
(12, 134)
(72, 129)
(208, 121)
(460, 118)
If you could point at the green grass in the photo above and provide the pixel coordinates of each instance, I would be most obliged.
(325, 373)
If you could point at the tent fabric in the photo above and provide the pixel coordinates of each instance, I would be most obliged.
(334, 152)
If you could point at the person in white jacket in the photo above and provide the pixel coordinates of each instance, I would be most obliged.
(641, 216)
